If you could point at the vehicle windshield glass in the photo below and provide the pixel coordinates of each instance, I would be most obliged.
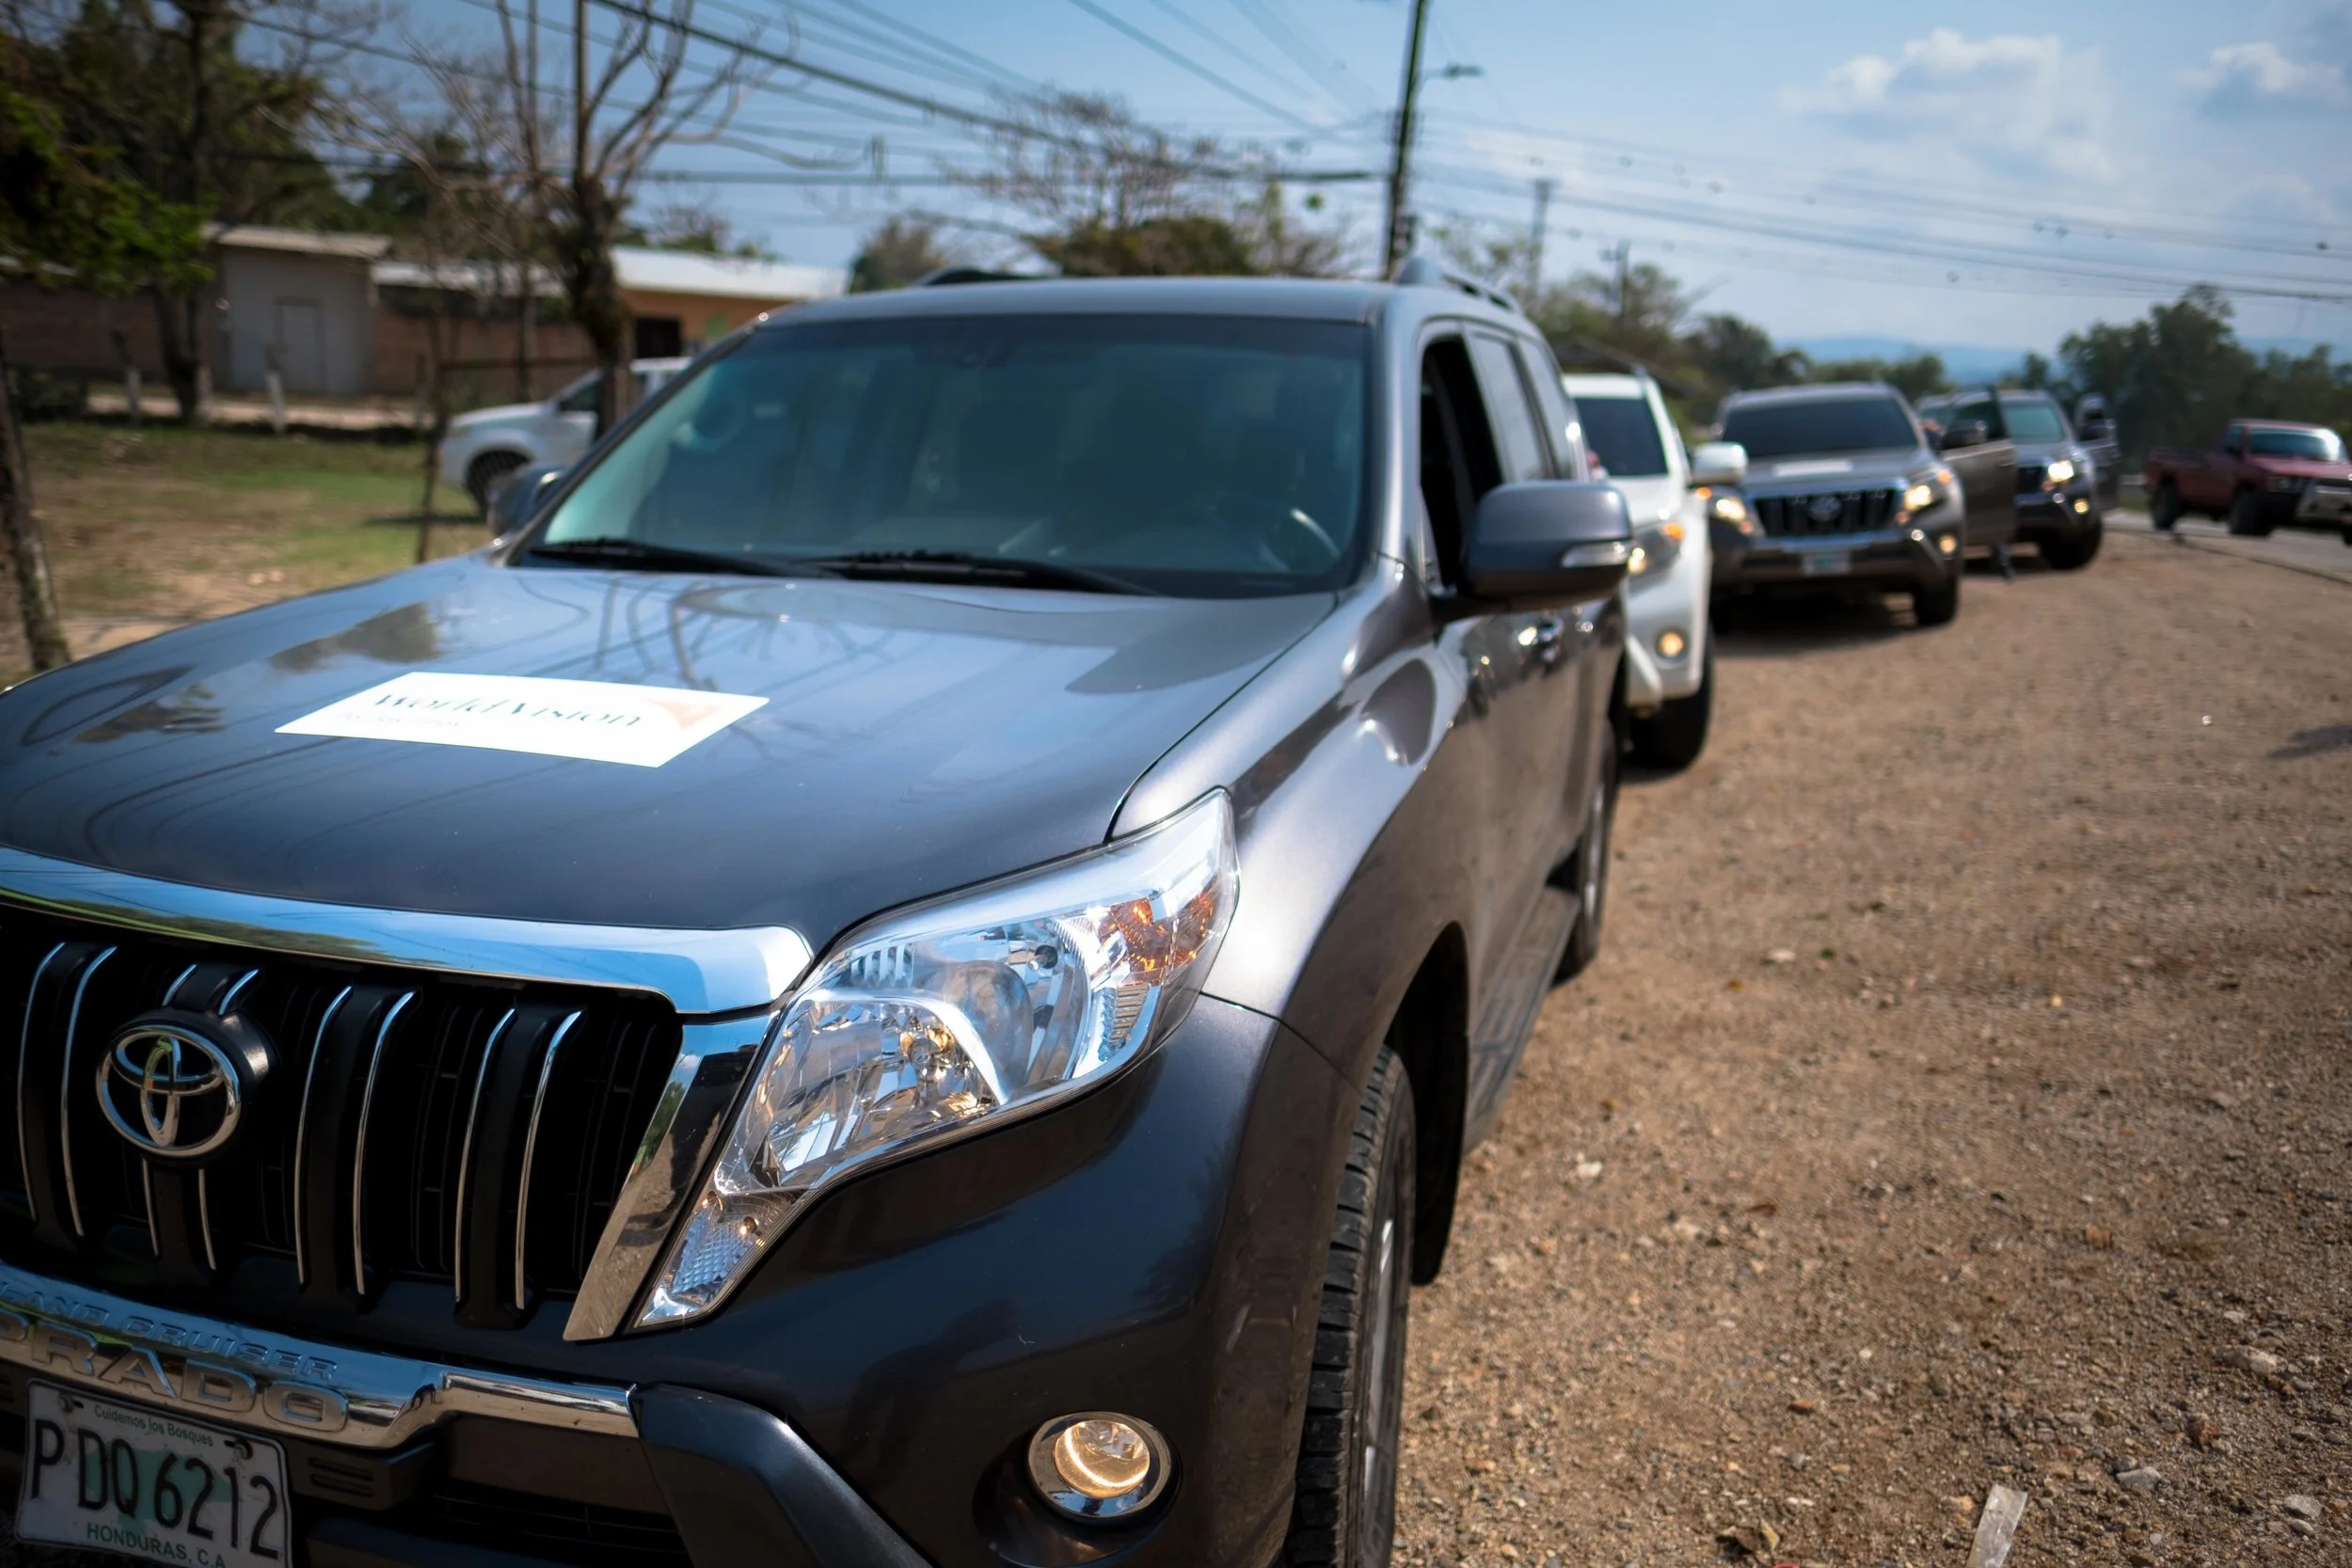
(2320, 446)
(1623, 435)
(1802, 426)
(2032, 419)
(1198, 456)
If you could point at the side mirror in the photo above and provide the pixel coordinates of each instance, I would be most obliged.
(1544, 543)
(1964, 433)
(2097, 428)
(518, 497)
(1722, 464)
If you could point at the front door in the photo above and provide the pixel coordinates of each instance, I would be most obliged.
(1987, 470)
(301, 345)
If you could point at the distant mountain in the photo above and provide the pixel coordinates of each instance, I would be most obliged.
(1963, 362)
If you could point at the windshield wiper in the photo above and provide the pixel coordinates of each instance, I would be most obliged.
(656, 557)
(963, 566)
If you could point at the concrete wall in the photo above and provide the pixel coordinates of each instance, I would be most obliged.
(313, 310)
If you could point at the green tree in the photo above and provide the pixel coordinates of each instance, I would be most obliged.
(2172, 379)
(898, 253)
(1733, 353)
(68, 212)
(1914, 375)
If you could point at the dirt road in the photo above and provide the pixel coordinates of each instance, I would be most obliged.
(1961, 1099)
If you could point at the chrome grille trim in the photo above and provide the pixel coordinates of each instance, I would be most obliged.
(359, 1146)
(531, 1148)
(301, 1173)
(64, 1087)
(24, 1055)
(465, 1156)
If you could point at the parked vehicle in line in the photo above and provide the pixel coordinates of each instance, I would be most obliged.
(1849, 492)
(2094, 428)
(484, 446)
(2057, 508)
(902, 977)
(1670, 649)
(2262, 473)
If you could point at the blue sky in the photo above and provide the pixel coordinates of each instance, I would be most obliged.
(1997, 176)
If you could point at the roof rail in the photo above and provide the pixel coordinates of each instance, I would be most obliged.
(949, 277)
(1422, 269)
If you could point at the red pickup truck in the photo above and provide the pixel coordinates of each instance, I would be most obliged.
(2265, 472)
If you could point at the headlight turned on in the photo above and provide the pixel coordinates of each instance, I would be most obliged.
(2060, 471)
(1725, 507)
(1655, 549)
(955, 1016)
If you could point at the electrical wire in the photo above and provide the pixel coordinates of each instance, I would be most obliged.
(1224, 84)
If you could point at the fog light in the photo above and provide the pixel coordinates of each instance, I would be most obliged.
(1947, 542)
(1099, 1465)
(1670, 645)
(2081, 505)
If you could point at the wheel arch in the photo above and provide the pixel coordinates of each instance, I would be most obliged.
(1430, 1035)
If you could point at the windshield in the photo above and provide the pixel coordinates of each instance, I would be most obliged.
(1799, 427)
(1186, 456)
(2033, 420)
(1623, 435)
(2320, 446)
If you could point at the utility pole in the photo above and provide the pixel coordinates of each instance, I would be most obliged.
(1535, 239)
(1392, 249)
(1625, 250)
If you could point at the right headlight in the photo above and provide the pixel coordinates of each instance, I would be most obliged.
(1655, 549)
(1728, 508)
(951, 1017)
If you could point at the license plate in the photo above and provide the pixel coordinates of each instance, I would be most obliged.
(1828, 564)
(113, 1477)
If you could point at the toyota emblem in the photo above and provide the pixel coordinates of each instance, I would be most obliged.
(1825, 509)
(173, 1091)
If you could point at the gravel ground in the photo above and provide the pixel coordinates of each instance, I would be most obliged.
(1959, 1099)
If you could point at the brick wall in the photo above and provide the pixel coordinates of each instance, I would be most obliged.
(66, 329)
(480, 354)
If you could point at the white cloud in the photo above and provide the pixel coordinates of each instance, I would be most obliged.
(2251, 78)
(2007, 103)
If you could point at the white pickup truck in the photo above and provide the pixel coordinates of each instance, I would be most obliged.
(486, 445)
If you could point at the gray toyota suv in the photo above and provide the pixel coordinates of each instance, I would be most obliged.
(900, 975)
(1851, 492)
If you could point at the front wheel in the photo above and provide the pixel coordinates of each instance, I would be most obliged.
(1675, 735)
(2076, 550)
(1343, 1509)
(1589, 865)
(2165, 510)
(2246, 515)
(483, 473)
(1937, 607)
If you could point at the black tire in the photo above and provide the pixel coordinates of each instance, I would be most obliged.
(483, 473)
(2247, 517)
(1588, 868)
(1344, 1512)
(1675, 735)
(2164, 509)
(1937, 607)
(2074, 551)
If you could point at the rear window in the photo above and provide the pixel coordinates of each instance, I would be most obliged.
(1623, 435)
(1801, 428)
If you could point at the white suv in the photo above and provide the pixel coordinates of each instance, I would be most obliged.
(1670, 648)
(486, 445)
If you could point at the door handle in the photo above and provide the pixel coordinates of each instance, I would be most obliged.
(1550, 631)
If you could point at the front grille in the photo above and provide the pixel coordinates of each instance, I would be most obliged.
(411, 1126)
(546, 1527)
(1793, 517)
(2030, 478)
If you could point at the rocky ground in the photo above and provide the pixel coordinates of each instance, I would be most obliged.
(1960, 1100)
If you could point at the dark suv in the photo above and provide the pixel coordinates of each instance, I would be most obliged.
(900, 976)
(2057, 478)
(1848, 492)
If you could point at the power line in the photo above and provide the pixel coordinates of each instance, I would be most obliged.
(1227, 45)
(1330, 73)
(1175, 58)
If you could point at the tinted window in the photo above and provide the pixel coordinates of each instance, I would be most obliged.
(2034, 419)
(1189, 455)
(1519, 439)
(580, 397)
(1559, 415)
(2321, 446)
(1623, 435)
(1794, 428)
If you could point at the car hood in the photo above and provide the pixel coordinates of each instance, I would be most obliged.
(914, 739)
(2303, 467)
(504, 413)
(1843, 470)
(1650, 499)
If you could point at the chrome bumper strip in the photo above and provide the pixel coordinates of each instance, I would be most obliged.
(699, 972)
(211, 1370)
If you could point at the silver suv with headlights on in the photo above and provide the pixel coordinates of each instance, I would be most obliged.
(1848, 492)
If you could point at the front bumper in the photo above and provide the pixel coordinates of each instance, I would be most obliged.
(2063, 514)
(1882, 561)
(1675, 603)
(2324, 505)
(1153, 1248)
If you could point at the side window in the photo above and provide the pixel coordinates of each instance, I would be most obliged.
(580, 399)
(1457, 454)
(2233, 438)
(1975, 408)
(1557, 413)
(1518, 437)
